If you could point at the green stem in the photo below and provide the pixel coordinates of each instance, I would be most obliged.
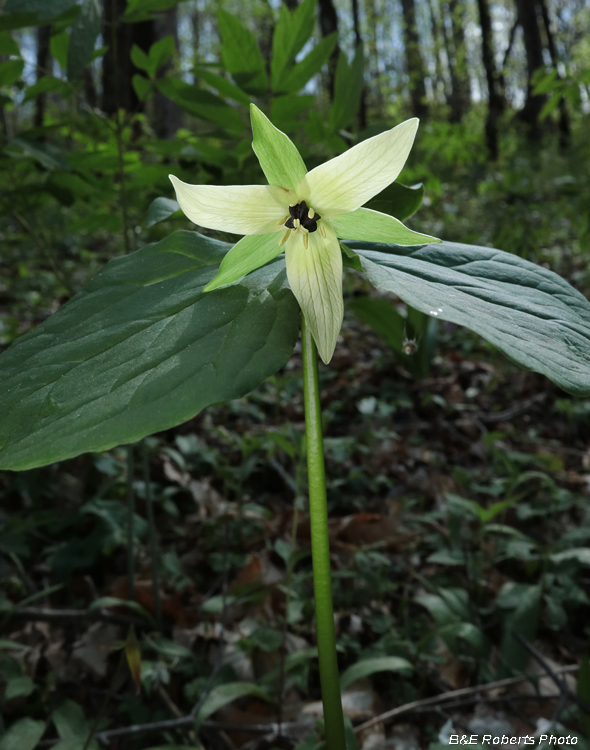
(320, 548)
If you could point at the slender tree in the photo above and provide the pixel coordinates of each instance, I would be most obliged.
(167, 115)
(414, 62)
(329, 24)
(117, 67)
(495, 103)
(460, 96)
(527, 18)
(358, 42)
(436, 47)
(564, 120)
(42, 69)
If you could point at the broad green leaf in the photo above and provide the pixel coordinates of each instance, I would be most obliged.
(24, 734)
(223, 86)
(10, 71)
(382, 316)
(8, 45)
(524, 619)
(45, 10)
(241, 55)
(47, 155)
(348, 85)
(534, 316)
(367, 667)
(141, 349)
(160, 52)
(223, 694)
(161, 209)
(464, 639)
(140, 59)
(285, 109)
(12, 21)
(278, 156)
(372, 226)
(311, 64)
(7, 645)
(85, 31)
(47, 85)
(291, 32)
(580, 555)
(201, 103)
(59, 45)
(142, 86)
(19, 687)
(250, 253)
(398, 200)
(69, 720)
(144, 10)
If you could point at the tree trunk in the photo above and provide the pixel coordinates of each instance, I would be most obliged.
(117, 68)
(42, 69)
(436, 49)
(460, 97)
(167, 115)
(494, 98)
(329, 24)
(527, 17)
(564, 120)
(357, 43)
(414, 62)
(372, 55)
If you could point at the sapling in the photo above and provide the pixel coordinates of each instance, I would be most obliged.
(189, 321)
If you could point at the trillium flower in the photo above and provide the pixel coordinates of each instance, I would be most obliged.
(303, 213)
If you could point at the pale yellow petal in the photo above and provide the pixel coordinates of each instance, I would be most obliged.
(240, 209)
(315, 278)
(347, 182)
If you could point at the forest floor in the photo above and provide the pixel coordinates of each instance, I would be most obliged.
(458, 517)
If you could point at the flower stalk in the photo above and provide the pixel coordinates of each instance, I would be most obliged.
(320, 547)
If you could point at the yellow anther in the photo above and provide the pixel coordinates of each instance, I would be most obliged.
(284, 238)
(305, 240)
(322, 230)
(311, 213)
(283, 220)
(296, 223)
(305, 230)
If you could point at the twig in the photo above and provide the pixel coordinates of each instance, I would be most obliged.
(443, 697)
(513, 411)
(562, 685)
(44, 614)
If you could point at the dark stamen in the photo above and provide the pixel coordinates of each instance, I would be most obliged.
(301, 212)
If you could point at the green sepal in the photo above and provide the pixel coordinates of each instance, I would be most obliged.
(372, 226)
(350, 258)
(247, 255)
(279, 158)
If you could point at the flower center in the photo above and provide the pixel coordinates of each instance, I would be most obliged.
(302, 219)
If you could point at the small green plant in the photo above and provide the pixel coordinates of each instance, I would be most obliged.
(189, 321)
